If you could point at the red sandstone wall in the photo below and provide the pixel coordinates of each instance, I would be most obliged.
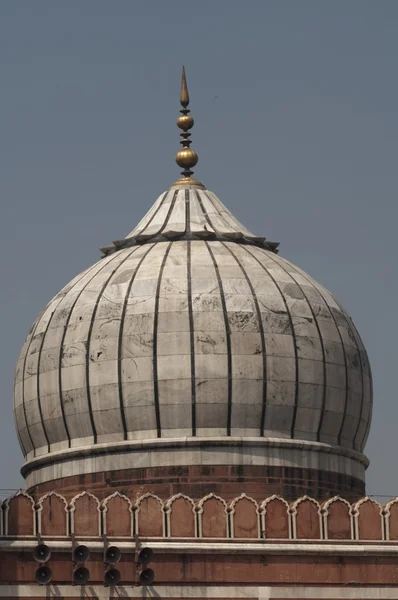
(197, 481)
(212, 516)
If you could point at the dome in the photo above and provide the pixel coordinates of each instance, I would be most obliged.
(191, 327)
(192, 342)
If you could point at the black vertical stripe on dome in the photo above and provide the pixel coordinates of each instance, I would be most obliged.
(344, 355)
(365, 436)
(228, 336)
(318, 434)
(90, 331)
(23, 385)
(355, 334)
(262, 336)
(206, 216)
(120, 341)
(191, 338)
(61, 352)
(362, 398)
(171, 208)
(187, 212)
(153, 216)
(38, 381)
(155, 343)
(293, 424)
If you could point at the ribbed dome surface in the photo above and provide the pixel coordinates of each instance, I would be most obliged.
(193, 327)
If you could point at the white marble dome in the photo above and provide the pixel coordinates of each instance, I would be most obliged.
(191, 331)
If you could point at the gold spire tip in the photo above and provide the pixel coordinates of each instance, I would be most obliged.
(186, 158)
(184, 95)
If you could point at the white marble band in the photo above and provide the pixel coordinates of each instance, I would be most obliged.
(188, 451)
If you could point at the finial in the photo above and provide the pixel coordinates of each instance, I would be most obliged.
(186, 158)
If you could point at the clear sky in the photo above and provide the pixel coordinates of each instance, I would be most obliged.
(295, 104)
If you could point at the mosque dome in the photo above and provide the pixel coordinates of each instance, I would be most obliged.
(192, 341)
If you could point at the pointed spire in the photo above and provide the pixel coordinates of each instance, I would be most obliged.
(184, 95)
(186, 158)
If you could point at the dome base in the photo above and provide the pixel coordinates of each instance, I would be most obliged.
(299, 467)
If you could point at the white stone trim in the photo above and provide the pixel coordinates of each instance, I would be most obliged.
(214, 546)
(210, 592)
(164, 452)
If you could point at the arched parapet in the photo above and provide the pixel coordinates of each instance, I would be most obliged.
(390, 514)
(368, 519)
(276, 520)
(85, 513)
(117, 514)
(213, 517)
(19, 515)
(149, 516)
(244, 514)
(306, 519)
(338, 522)
(52, 515)
(181, 517)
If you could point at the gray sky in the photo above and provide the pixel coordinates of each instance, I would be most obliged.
(295, 105)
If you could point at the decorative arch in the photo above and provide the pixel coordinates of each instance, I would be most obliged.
(306, 519)
(276, 522)
(391, 519)
(213, 517)
(338, 522)
(368, 519)
(52, 515)
(19, 515)
(244, 517)
(149, 516)
(85, 511)
(181, 516)
(117, 511)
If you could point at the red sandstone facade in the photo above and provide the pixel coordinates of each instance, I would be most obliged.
(197, 481)
(238, 543)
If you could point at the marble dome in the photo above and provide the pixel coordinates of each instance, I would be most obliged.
(192, 342)
(191, 328)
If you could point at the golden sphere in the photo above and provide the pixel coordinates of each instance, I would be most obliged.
(185, 122)
(186, 158)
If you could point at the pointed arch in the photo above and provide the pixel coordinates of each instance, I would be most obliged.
(391, 519)
(213, 517)
(244, 517)
(368, 519)
(276, 521)
(19, 515)
(52, 515)
(149, 516)
(181, 516)
(338, 523)
(117, 514)
(306, 519)
(85, 512)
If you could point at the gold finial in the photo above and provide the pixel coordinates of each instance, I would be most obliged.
(186, 158)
